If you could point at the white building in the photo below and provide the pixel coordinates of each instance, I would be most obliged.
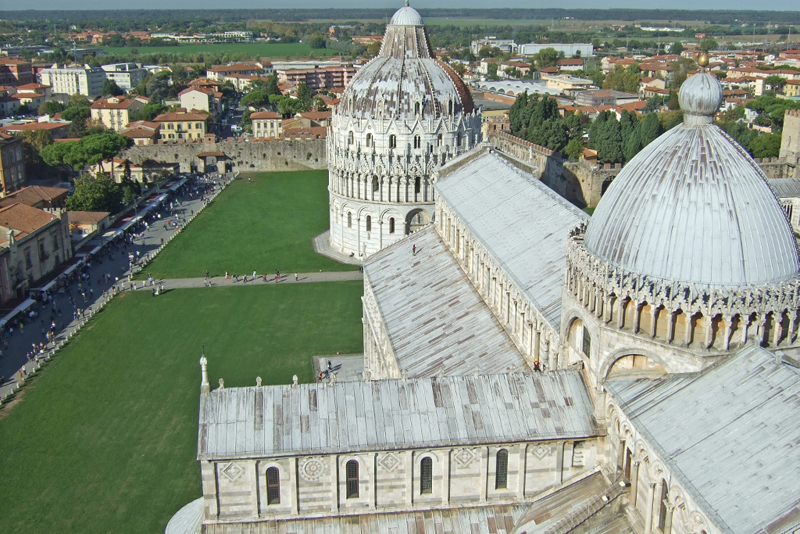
(570, 50)
(533, 370)
(505, 45)
(401, 117)
(126, 75)
(86, 80)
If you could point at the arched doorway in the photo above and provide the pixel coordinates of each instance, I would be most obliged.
(416, 220)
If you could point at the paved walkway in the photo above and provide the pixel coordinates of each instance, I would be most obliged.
(221, 281)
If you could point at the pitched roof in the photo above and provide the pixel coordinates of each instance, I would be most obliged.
(521, 222)
(193, 115)
(383, 415)
(729, 435)
(78, 217)
(434, 318)
(34, 194)
(266, 115)
(28, 126)
(23, 219)
(118, 102)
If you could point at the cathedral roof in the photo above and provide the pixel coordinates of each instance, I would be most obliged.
(693, 207)
(383, 415)
(405, 75)
(522, 223)
(435, 320)
(729, 434)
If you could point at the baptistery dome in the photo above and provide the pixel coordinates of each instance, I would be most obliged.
(405, 79)
(693, 207)
(402, 116)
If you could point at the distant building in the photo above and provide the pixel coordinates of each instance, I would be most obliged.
(604, 97)
(327, 77)
(570, 50)
(505, 45)
(15, 71)
(86, 80)
(142, 132)
(116, 112)
(219, 72)
(125, 75)
(266, 124)
(56, 129)
(12, 163)
(183, 126)
(202, 98)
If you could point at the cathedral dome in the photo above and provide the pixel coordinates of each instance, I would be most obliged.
(405, 80)
(693, 207)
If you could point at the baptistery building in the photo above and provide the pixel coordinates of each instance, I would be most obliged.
(402, 116)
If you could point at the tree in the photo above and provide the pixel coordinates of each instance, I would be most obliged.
(651, 128)
(765, 145)
(546, 57)
(255, 98)
(77, 115)
(632, 145)
(672, 102)
(96, 193)
(51, 107)
(676, 48)
(304, 96)
(775, 82)
(574, 148)
(709, 43)
(374, 49)
(157, 86)
(55, 154)
(623, 79)
(110, 88)
(608, 142)
(491, 72)
(33, 142)
(100, 147)
(149, 112)
(317, 42)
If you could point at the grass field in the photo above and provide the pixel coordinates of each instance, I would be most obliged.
(275, 50)
(105, 439)
(263, 225)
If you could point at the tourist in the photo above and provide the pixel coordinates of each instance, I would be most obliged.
(414, 250)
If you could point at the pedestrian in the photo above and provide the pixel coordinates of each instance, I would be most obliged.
(254, 275)
(226, 276)
(295, 277)
(206, 275)
(414, 250)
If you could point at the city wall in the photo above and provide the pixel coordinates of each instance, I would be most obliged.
(272, 155)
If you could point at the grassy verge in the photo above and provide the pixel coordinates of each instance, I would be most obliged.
(261, 222)
(105, 440)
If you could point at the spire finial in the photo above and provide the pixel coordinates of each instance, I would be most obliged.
(204, 385)
(407, 3)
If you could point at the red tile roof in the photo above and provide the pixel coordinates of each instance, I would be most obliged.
(23, 219)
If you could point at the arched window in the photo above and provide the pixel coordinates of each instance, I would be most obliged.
(352, 479)
(392, 141)
(416, 108)
(349, 220)
(375, 184)
(417, 141)
(501, 470)
(426, 475)
(273, 486)
(391, 225)
(369, 140)
(450, 107)
(662, 506)
(349, 138)
(439, 140)
(416, 185)
(458, 139)
(369, 223)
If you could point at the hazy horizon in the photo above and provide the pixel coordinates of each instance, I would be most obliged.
(716, 5)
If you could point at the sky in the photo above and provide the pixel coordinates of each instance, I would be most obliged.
(769, 5)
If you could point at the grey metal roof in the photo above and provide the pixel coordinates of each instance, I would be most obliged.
(521, 222)
(434, 319)
(405, 73)
(693, 207)
(321, 418)
(460, 520)
(729, 434)
(785, 187)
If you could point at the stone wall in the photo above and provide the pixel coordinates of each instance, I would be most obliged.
(267, 155)
(316, 486)
(790, 138)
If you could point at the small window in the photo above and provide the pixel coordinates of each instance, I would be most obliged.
(349, 220)
(375, 184)
(439, 140)
(458, 139)
(369, 223)
(417, 141)
(369, 140)
(349, 138)
(501, 470)
(662, 506)
(416, 185)
(416, 108)
(352, 479)
(450, 107)
(392, 141)
(426, 475)
(42, 250)
(391, 225)
(273, 486)
(587, 342)
(56, 245)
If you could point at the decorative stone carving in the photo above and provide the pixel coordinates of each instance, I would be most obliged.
(464, 457)
(313, 469)
(232, 471)
(390, 462)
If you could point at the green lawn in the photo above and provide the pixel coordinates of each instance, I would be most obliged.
(263, 225)
(105, 440)
(277, 50)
